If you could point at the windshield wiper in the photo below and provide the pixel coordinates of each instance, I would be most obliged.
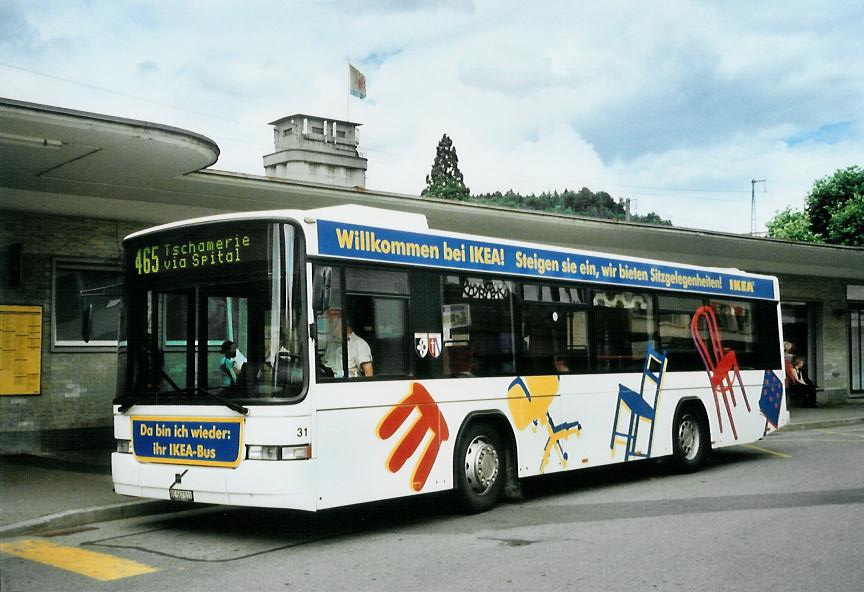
(127, 404)
(191, 390)
(227, 402)
(131, 401)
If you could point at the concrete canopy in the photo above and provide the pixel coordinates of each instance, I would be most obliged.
(119, 169)
(50, 154)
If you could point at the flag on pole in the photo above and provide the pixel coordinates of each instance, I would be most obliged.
(357, 82)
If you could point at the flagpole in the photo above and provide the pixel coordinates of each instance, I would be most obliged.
(348, 97)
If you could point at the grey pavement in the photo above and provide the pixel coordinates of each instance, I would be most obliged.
(852, 411)
(63, 490)
(58, 491)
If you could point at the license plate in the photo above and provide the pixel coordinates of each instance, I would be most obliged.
(181, 495)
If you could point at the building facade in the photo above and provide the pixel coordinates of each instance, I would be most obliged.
(65, 207)
(316, 149)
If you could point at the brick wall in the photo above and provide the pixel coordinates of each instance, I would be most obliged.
(77, 386)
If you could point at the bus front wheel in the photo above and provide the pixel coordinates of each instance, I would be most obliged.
(690, 439)
(479, 467)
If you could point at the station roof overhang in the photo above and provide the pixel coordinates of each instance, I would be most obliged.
(63, 162)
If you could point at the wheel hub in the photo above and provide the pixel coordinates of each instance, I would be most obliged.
(688, 439)
(481, 465)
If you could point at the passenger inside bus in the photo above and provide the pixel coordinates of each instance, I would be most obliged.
(331, 356)
(561, 365)
(458, 360)
(359, 353)
(231, 363)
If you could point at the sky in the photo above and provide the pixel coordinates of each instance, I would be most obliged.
(676, 105)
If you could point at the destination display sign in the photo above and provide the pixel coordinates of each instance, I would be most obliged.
(198, 250)
(380, 244)
(188, 441)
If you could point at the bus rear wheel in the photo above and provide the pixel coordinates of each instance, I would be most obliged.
(690, 439)
(479, 468)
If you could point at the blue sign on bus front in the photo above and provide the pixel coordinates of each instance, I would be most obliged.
(453, 252)
(188, 441)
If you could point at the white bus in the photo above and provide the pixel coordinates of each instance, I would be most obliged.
(376, 358)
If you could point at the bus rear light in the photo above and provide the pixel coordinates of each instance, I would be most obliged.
(278, 452)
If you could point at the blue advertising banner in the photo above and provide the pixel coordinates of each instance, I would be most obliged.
(188, 441)
(395, 246)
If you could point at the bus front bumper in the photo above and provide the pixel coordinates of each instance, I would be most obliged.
(270, 484)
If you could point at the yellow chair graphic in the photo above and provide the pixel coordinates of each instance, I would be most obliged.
(529, 399)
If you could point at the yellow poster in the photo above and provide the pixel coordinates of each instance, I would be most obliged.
(20, 350)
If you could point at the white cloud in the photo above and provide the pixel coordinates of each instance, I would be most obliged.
(677, 107)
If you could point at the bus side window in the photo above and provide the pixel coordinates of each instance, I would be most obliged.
(376, 311)
(380, 322)
(673, 326)
(330, 361)
(477, 326)
(554, 324)
(622, 330)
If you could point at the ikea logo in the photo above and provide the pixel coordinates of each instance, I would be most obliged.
(742, 286)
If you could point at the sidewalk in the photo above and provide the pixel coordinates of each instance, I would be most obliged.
(66, 490)
(802, 418)
(60, 491)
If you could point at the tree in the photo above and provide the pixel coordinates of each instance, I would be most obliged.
(847, 222)
(791, 225)
(445, 181)
(652, 218)
(829, 195)
(834, 212)
(580, 203)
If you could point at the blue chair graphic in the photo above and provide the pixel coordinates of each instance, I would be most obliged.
(638, 406)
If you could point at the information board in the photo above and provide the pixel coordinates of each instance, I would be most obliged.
(199, 251)
(188, 441)
(20, 350)
(386, 245)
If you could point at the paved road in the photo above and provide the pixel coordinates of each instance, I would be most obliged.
(786, 513)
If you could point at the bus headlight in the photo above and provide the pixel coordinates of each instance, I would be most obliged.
(296, 452)
(124, 446)
(262, 452)
(278, 452)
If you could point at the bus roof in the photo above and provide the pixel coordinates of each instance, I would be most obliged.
(386, 236)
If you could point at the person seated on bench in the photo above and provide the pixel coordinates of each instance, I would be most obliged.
(798, 386)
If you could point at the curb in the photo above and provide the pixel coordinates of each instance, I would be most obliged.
(828, 423)
(82, 516)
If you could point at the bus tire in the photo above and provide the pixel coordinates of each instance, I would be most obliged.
(691, 442)
(479, 467)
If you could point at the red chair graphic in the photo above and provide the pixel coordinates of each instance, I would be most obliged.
(721, 365)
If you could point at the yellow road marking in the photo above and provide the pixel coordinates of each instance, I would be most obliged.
(87, 563)
(767, 451)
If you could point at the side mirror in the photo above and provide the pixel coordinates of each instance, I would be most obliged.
(87, 322)
(321, 289)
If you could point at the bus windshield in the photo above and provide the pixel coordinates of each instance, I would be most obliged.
(213, 309)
